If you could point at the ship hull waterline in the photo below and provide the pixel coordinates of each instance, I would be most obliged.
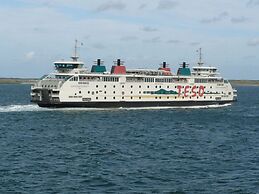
(124, 104)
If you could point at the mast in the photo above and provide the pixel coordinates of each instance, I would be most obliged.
(75, 57)
(200, 63)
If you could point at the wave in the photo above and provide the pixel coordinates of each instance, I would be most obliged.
(33, 107)
(20, 108)
(179, 107)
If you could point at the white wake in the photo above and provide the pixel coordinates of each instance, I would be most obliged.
(20, 108)
(33, 107)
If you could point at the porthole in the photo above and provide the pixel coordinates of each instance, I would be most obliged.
(114, 98)
(96, 86)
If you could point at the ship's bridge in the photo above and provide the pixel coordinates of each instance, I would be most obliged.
(67, 66)
(205, 71)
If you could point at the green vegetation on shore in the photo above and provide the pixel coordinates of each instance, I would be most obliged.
(33, 80)
(17, 80)
(244, 82)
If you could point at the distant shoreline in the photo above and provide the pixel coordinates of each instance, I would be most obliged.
(34, 80)
(18, 80)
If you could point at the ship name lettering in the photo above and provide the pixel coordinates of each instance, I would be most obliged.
(187, 89)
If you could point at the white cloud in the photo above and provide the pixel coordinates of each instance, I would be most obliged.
(253, 42)
(167, 4)
(112, 5)
(29, 55)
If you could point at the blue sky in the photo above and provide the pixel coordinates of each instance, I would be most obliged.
(143, 33)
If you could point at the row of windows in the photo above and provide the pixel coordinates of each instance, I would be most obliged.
(48, 86)
(208, 80)
(114, 98)
(110, 79)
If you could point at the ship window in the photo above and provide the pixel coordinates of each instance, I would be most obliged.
(96, 92)
(139, 86)
(211, 97)
(79, 92)
(122, 86)
(175, 97)
(114, 98)
(147, 86)
(210, 86)
(114, 86)
(167, 97)
(160, 97)
(105, 92)
(104, 98)
(139, 92)
(139, 97)
(229, 93)
(131, 92)
(131, 97)
(167, 86)
(123, 93)
(155, 97)
(96, 98)
(131, 86)
(156, 87)
(114, 92)
(104, 86)
(75, 94)
(88, 92)
(97, 86)
(92, 93)
(160, 86)
(204, 97)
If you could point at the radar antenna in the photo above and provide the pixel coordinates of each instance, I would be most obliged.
(75, 57)
(200, 63)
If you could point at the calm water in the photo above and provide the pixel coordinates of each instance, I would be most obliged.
(201, 150)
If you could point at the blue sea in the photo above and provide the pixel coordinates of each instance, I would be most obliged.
(168, 150)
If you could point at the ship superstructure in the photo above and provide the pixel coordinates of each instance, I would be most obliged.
(72, 85)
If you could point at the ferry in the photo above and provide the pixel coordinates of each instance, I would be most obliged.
(73, 85)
